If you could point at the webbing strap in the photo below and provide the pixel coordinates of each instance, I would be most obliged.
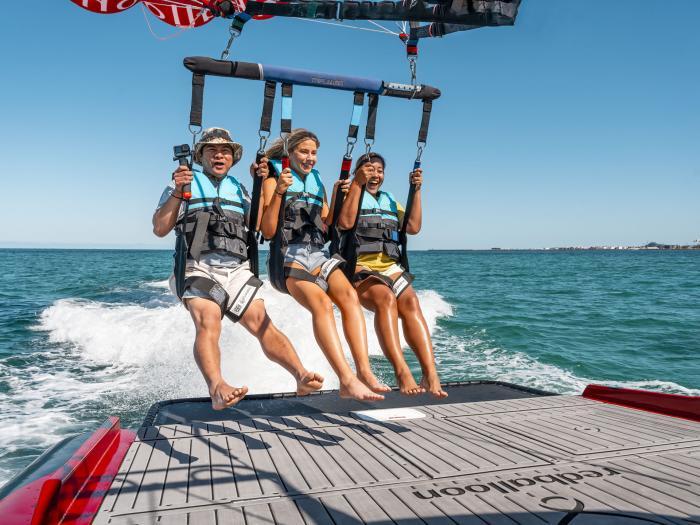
(286, 124)
(197, 99)
(358, 102)
(211, 288)
(268, 106)
(199, 230)
(425, 121)
(372, 103)
(265, 125)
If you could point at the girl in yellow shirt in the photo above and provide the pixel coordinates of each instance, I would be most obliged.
(382, 284)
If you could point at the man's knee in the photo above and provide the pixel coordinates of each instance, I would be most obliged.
(255, 318)
(206, 315)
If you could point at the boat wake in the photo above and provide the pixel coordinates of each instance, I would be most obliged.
(102, 358)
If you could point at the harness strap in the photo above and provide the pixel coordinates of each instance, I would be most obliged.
(243, 299)
(372, 103)
(286, 122)
(321, 280)
(199, 230)
(210, 287)
(398, 286)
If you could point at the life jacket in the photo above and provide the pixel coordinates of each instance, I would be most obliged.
(299, 221)
(215, 220)
(378, 225)
(303, 205)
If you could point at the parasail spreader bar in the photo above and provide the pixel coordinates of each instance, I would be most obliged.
(201, 66)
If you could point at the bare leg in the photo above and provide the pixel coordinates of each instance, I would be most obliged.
(206, 315)
(345, 297)
(415, 329)
(378, 298)
(311, 297)
(278, 348)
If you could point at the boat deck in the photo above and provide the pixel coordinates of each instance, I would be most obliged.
(523, 458)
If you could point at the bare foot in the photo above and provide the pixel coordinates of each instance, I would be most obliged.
(309, 382)
(431, 384)
(224, 395)
(407, 384)
(356, 389)
(369, 379)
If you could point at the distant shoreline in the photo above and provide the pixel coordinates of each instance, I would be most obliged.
(483, 250)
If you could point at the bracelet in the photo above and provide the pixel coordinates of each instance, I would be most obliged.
(280, 194)
(177, 196)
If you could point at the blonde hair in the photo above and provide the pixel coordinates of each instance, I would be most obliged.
(296, 137)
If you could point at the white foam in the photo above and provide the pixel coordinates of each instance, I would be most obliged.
(478, 359)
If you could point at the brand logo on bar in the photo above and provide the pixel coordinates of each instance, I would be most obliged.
(327, 82)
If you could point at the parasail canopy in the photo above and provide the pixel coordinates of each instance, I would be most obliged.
(428, 18)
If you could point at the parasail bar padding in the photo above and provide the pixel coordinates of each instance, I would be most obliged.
(301, 77)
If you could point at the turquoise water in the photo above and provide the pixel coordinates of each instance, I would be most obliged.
(87, 334)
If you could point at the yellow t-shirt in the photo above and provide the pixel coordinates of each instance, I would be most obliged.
(379, 261)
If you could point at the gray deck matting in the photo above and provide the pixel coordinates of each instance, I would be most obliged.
(559, 459)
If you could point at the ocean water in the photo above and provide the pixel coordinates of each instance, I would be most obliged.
(86, 334)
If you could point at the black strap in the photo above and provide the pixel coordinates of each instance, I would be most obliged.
(243, 299)
(403, 280)
(265, 124)
(422, 139)
(199, 230)
(425, 121)
(321, 280)
(268, 105)
(197, 99)
(212, 289)
(372, 103)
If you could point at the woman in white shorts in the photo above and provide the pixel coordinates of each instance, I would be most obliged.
(309, 270)
(382, 284)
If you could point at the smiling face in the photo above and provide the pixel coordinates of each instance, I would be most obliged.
(303, 157)
(375, 178)
(217, 159)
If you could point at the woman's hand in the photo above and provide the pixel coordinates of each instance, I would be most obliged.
(182, 176)
(284, 181)
(416, 177)
(343, 184)
(260, 169)
(364, 173)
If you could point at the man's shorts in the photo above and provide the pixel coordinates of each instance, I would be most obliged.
(308, 256)
(238, 281)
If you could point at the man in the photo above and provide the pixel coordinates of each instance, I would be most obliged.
(218, 281)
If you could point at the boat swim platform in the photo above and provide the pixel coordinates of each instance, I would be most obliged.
(520, 457)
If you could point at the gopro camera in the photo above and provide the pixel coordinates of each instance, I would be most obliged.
(181, 152)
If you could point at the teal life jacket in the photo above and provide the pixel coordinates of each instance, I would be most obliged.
(303, 205)
(215, 220)
(378, 225)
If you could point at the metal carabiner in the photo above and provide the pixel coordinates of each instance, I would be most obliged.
(234, 33)
(419, 152)
(349, 147)
(263, 135)
(368, 146)
(413, 67)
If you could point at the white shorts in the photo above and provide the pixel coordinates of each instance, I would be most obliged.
(236, 280)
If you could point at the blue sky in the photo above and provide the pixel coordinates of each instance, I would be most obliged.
(578, 126)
